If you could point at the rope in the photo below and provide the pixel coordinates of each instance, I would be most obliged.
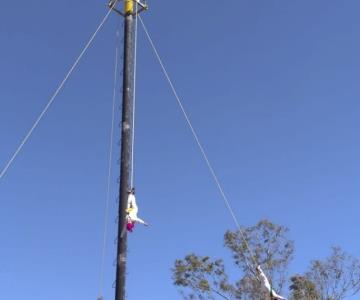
(57, 91)
(134, 97)
(111, 143)
(202, 150)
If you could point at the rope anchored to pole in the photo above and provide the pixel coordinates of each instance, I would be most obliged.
(255, 269)
(111, 143)
(201, 148)
(55, 94)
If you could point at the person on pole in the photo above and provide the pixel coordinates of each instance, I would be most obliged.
(266, 283)
(132, 211)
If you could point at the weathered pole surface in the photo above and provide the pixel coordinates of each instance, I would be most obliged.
(126, 146)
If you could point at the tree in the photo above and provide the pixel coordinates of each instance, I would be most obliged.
(302, 288)
(337, 277)
(270, 248)
(204, 278)
(201, 277)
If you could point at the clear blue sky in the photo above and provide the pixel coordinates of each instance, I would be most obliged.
(273, 90)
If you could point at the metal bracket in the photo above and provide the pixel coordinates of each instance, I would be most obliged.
(143, 6)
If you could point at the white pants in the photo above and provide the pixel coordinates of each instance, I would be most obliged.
(267, 285)
(132, 215)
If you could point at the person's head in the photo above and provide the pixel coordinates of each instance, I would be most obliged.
(130, 225)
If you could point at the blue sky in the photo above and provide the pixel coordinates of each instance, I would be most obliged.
(272, 89)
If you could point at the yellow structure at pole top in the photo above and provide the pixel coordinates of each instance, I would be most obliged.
(128, 6)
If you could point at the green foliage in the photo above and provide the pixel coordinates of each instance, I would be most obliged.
(337, 277)
(270, 247)
(205, 278)
(302, 288)
(201, 277)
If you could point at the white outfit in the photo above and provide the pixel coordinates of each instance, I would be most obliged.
(132, 210)
(267, 285)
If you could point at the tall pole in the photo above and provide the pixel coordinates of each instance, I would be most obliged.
(126, 146)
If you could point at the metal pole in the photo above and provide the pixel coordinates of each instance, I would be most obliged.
(126, 145)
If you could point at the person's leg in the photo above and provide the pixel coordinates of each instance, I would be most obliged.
(265, 281)
(129, 201)
(134, 205)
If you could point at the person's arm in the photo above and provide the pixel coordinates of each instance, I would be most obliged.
(138, 220)
(277, 297)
